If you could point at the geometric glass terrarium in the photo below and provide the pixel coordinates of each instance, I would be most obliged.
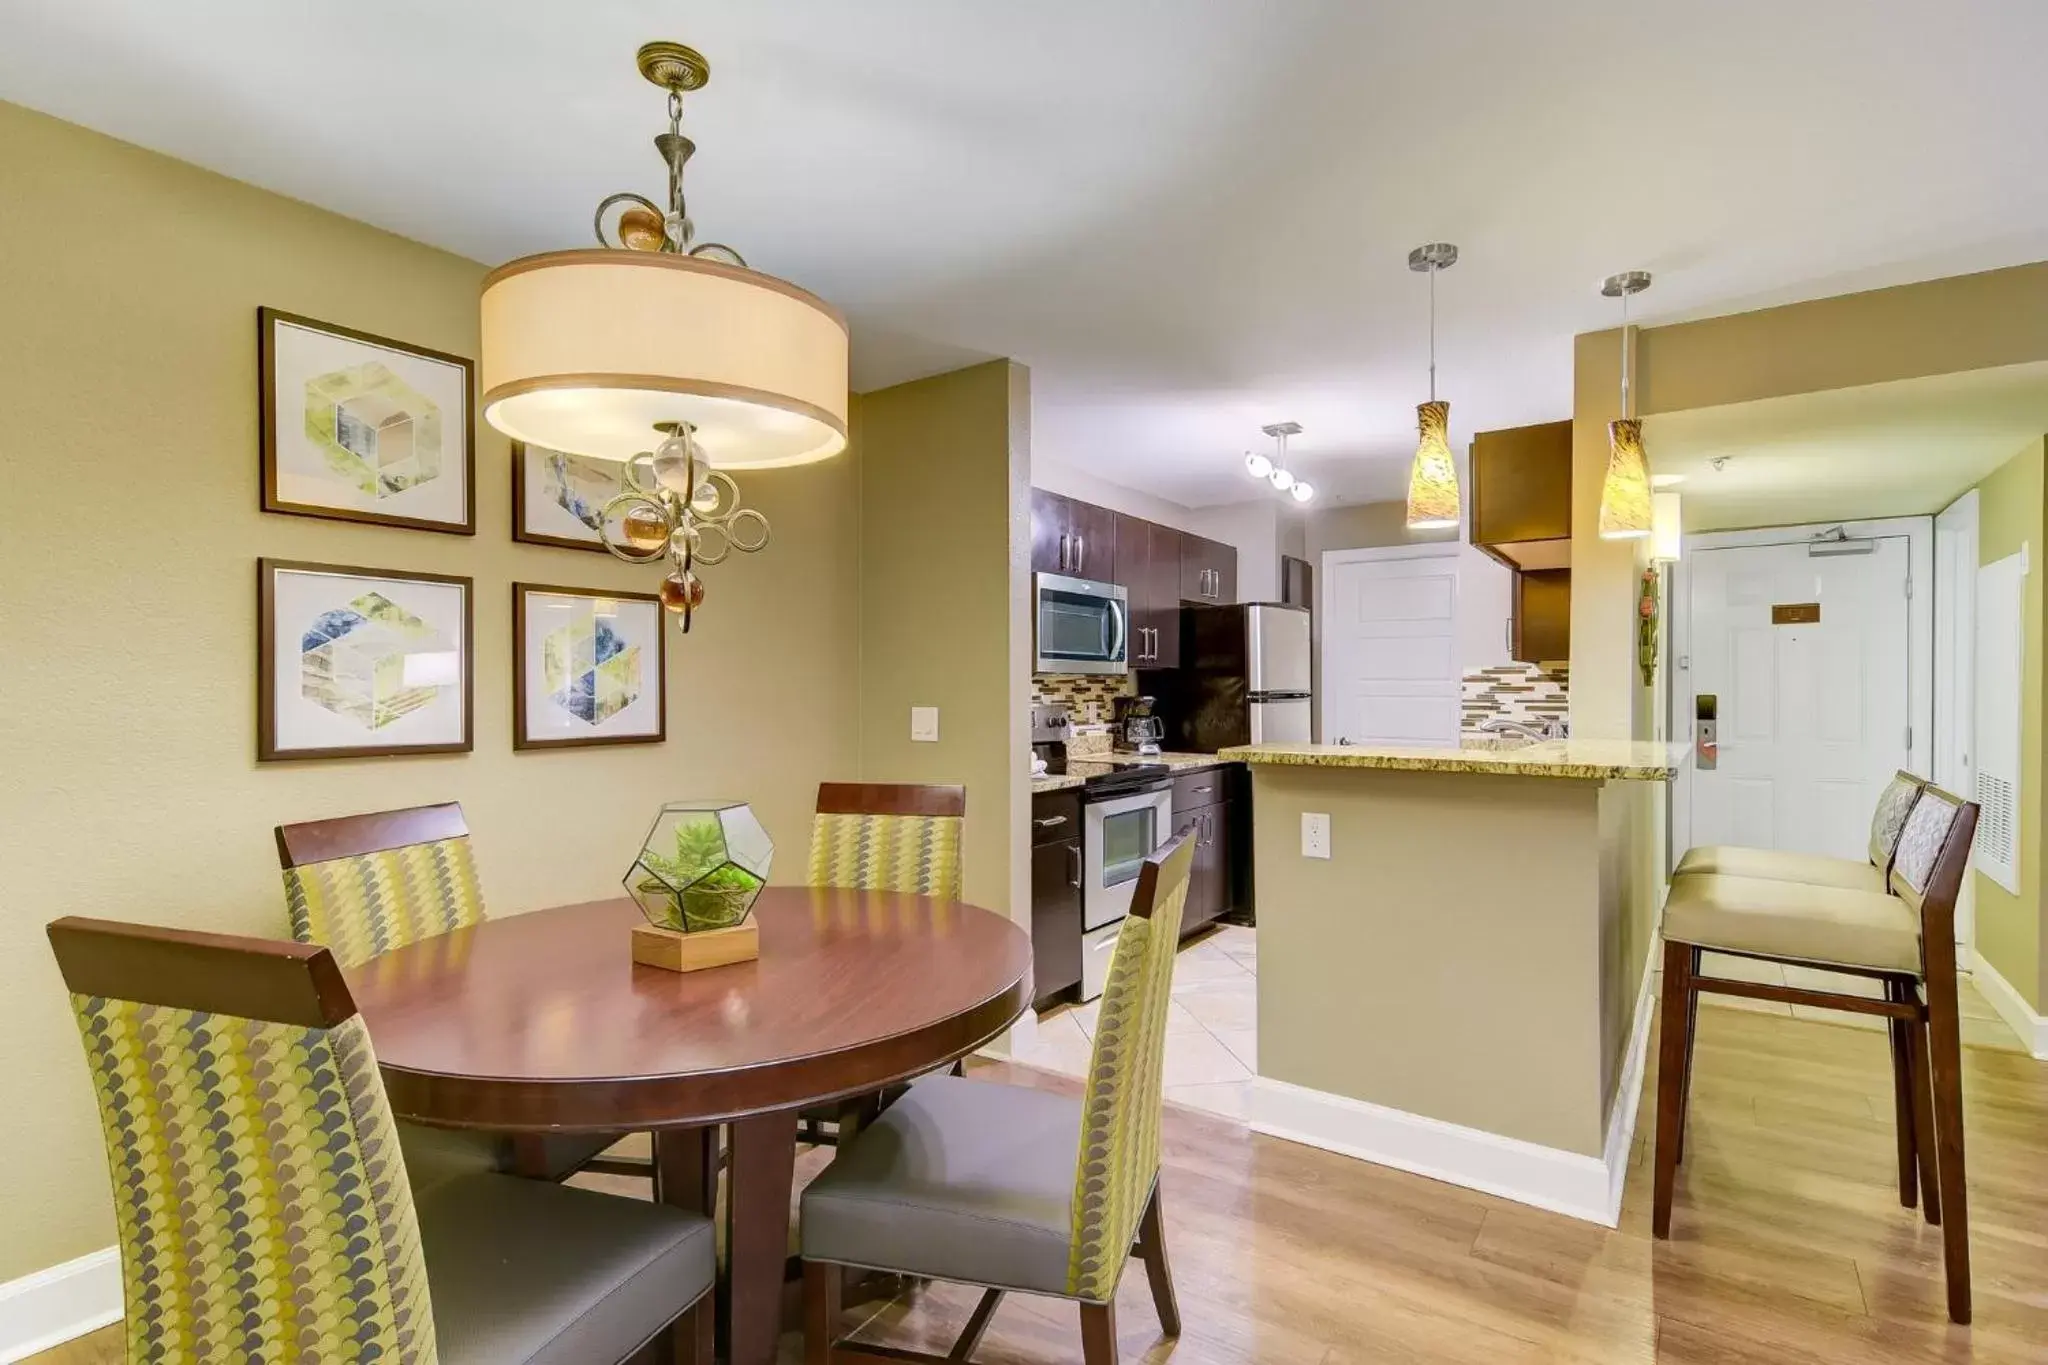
(701, 866)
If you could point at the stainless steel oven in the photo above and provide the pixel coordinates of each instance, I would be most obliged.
(1122, 821)
(1080, 626)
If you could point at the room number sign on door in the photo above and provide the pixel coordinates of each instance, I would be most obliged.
(1795, 614)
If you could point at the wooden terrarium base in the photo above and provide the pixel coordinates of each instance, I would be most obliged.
(674, 951)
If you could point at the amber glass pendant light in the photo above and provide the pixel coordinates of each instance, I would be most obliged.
(1433, 475)
(1625, 508)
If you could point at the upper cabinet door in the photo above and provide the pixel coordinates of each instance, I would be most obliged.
(1208, 571)
(1051, 536)
(1131, 555)
(1522, 485)
(1159, 609)
(1092, 540)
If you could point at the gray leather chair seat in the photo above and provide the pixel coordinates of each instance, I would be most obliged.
(960, 1180)
(434, 1156)
(522, 1272)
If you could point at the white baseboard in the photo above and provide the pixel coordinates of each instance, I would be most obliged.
(1570, 1183)
(50, 1307)
(2011, 1006)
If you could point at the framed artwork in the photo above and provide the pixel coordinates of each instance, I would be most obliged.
(361, 663)
(558, 499)
(588, 667)
(362, 428)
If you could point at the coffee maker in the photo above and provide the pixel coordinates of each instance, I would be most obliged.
(1139, 726)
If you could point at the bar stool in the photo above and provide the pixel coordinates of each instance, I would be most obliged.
(1904, 938)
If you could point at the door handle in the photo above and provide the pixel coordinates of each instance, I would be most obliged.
(1074, 856)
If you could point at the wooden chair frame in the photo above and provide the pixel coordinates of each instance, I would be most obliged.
(1926, 1041)
(824, 1281)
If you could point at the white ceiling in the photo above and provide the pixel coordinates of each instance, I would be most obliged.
(1882, 450)
(1189, 217)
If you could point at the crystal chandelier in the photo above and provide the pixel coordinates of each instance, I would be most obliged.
(656, 337)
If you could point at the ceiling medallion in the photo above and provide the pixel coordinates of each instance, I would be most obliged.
(653, 337)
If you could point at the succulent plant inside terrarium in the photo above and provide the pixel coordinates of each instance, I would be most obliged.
(701, 866)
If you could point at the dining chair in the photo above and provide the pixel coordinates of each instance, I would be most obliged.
(367, 884)
(1013, 1188)
(263, 1211)
(879, 836)
(1903, 938)
(1894, 804)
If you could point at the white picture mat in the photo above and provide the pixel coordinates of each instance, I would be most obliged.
(540, 513)
(637, 623)
(299, 596)
(299, 354)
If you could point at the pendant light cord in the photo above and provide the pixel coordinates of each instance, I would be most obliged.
(1624, 353)
(1432, 334)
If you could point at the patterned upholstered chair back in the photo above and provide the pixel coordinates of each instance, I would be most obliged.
(1119, 1158)
(261, 1201)
(1933, 852)
(366, 884)
(1889, 821)
(885, 837)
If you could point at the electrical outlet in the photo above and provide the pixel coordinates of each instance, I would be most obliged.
(924, 724)
(1315, 834)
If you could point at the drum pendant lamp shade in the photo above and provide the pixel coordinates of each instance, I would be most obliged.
(586, 351)
(1433, 476)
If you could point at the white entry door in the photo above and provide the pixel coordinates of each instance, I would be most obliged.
(1807, 659)
(1391, 667)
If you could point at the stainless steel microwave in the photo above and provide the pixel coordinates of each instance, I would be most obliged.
(1080, 626)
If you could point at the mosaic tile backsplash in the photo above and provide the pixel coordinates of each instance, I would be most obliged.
(1088, 697)
(1527, 693)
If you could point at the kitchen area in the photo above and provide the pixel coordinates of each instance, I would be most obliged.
(1146, 665)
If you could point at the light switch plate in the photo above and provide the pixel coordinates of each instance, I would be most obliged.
(1315, 834)
(924, 724)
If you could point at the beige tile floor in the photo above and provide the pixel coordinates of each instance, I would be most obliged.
(1212, 1025)
(1212, 1029)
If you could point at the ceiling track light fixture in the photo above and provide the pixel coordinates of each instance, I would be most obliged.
(653, 339)
(1433, 501)
(1274, 470)
(1626, 510)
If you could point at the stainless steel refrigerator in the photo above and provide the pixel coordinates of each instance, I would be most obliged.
(1243, 679)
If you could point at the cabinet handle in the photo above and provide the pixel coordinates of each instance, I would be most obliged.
(1051, 822)
(1199, 790)
(1080, 553)
(1074, 855)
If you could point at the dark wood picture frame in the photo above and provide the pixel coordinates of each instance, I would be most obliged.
(520, 530)
(267, 750)
(267, 322)
(520, 738)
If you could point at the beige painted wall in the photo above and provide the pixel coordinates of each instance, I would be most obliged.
(2010, 931)
(1408, 972)
(128, 544)
(944, 465)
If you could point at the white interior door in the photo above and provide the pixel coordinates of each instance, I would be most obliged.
(1955, 685)
(1813, 714)
(1391, 659)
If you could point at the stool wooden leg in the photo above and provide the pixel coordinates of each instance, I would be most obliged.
(1671, 1055)
(822, 1282)
(1945, 1055)
(1692, 1026)
(1902, 1098)
(1152, 1250)
(1925, 1141)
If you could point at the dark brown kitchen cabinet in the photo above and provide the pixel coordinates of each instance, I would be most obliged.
(1213, 807)
(1055, 894)
(1542, 620)
(1208, 570)
(1148, 568)
(1071, 537)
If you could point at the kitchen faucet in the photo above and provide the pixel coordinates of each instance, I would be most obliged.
(1550, 728)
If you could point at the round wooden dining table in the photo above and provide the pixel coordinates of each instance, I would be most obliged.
(543, 1023)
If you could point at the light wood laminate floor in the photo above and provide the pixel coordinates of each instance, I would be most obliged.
(1788, 1243)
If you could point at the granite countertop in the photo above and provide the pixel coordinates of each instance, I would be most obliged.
(1582, 759)
(1082, 767)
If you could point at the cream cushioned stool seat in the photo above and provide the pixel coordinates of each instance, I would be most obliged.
(1821, 924)
(1770, 864)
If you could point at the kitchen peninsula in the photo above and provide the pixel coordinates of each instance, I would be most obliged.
(1453, 952)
